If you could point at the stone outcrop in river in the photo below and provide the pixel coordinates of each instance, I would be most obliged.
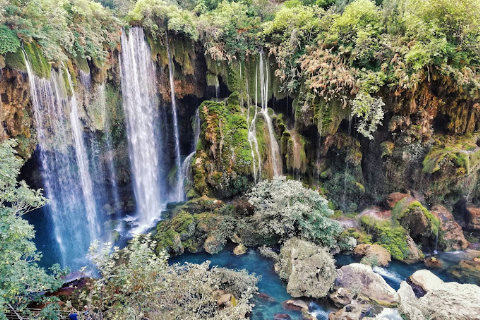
(436, 299)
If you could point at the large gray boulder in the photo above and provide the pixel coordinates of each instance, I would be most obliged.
(308, 269)
(358, 282)
(442, 300)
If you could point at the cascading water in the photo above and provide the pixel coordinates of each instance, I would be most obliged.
(140, 102)
(252, 136)
(60, 170)
(85, 79)
(179, 189)
(274, 148)
(82, 162)
(186, 166)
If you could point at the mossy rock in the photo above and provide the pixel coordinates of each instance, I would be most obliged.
(15, 60)
(357, 234)
(422, 225)
(465, 155)
(37, 59)
(388, 234)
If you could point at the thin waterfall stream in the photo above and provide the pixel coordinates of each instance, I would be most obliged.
(179, 189)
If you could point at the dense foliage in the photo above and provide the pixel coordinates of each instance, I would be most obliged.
(63, 28)
(324, 49)
(286, 208)
(21, 279)
(136, 283)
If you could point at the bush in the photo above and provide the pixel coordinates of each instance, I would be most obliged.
(286, 208)
(136, 283)
(9, 41)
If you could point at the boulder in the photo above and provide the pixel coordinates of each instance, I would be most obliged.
(213, 245)
(295, 304)
(373, 254)
(473, 218)
(415, 254)
(281, 316)
(351, 312)
(359, 280)
(442, 300)
(239, 250)
(421, 224)
(433, 262)
(308, 269)
(451, 233)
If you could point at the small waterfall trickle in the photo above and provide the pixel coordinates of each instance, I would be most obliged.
(85, 79)
(140, 103)
(186, 166)
(179, 189)
(112, 177)
(274, 148)
(62, 167)
(252, 137)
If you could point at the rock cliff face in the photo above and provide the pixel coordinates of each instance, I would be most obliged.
(427, 143)
(15, 110)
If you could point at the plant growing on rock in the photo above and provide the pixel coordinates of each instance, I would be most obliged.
(286, 209)
(369, 111)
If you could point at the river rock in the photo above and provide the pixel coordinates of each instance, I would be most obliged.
(359, 280)
(281, 316)
(415, 253)
(452, 237)
(442, 300)
(308, 269)
(295, 304)
(473, 218)
(433, 262)
(351, 312)
(373, 254)
(213, 245)
(239, 250)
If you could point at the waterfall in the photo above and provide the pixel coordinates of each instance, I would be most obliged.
(85, 79)
(109, 149)
(252, 137)
(186, 166)
(140, 102)
(82, 162)
(179, 189)
(274, 148)
(60, 170)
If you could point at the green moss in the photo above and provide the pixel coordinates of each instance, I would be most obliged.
(82, 64)
(16, 60)
(389, 235)
(39, 63)
(360, 236)
(404, 207)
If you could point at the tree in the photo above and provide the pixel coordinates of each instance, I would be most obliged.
(285, 208)
(21, 279)
(136, 283)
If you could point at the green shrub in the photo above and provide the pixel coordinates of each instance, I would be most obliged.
(9, 41)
